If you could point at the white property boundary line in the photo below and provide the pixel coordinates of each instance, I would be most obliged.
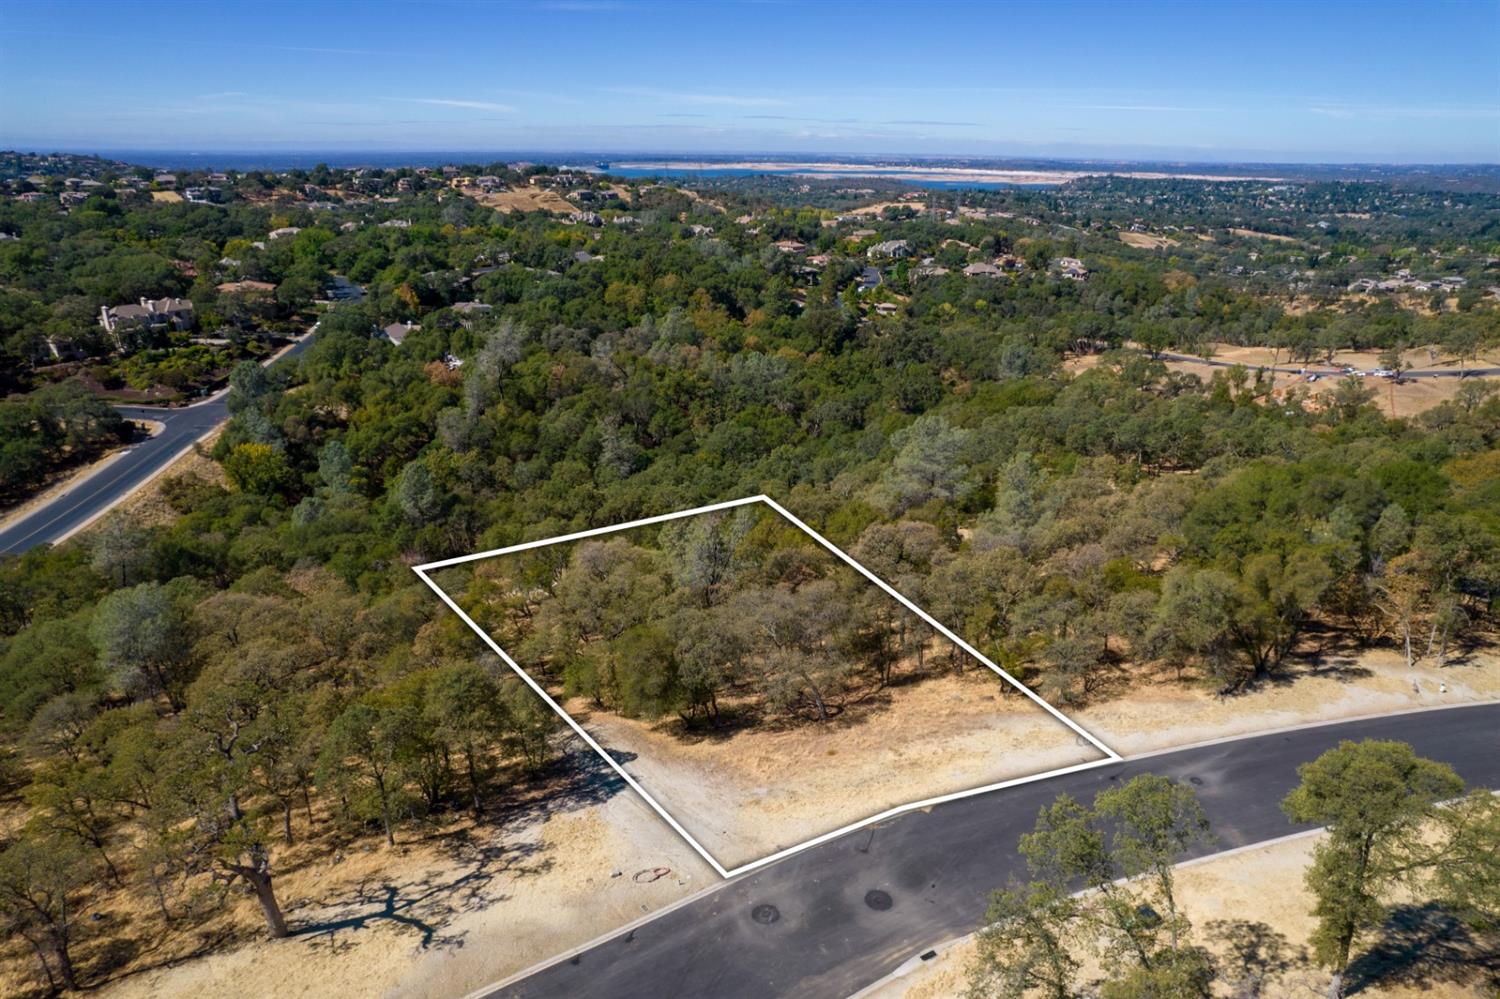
(1110, 756)
(613, 934)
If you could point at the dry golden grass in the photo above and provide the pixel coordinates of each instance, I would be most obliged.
(1258, 895)
(524, 199)
(749, 792)
(1252, 234)
(1146, 241)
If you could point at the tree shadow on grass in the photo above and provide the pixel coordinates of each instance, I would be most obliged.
(1426, 945)
(578, 778)
(425, 903)
(1253, 954)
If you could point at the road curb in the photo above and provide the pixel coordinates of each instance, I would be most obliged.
(937, 950)
(174, 459)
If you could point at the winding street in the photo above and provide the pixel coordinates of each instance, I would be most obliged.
(90, 498)
(830, 920)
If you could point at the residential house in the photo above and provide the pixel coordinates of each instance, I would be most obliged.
(1071, 268)
(397, 333)
(789, 246)
(891, 248)
(983, 269)
(151, 313)
(289, 230)
(165, 181)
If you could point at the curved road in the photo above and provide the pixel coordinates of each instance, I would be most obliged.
(938, 867)
(72, 509)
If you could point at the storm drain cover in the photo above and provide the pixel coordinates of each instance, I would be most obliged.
(878, 900)
(765, 914)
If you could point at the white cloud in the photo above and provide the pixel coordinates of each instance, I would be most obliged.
(719, 100)
(444, 102)
(1434, 111)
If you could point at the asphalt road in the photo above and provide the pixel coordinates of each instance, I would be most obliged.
(938, 866)
(1324, 371)
(72, 509)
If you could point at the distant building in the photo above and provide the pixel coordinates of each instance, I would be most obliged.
(891, 248)
(789, 246)
(290, 230)
(397, 333)
(165, 181)
(151, 313)
(1071, 268)
(982, 269)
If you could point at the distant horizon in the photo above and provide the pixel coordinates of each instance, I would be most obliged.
(1286, 82)
(440, 156)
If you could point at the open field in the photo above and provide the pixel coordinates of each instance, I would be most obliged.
(1252, 234)
(524, 199)
(1410, 397)
(1256, 894)
(167, 197)
(1146, 241)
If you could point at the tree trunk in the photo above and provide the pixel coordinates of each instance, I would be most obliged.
(64, 961)
(260, 879)
(385, 811)
(473, 782)
(1336, 986)
(286, 820)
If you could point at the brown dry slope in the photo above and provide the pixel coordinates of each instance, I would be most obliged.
(750, 793)
(443, 916)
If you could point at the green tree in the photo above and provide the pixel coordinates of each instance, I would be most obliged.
(42, 890)
(1373, 797)
(142, 634)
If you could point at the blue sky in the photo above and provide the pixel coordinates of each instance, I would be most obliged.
(1276, 81)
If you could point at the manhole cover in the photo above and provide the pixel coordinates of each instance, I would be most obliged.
(878, 900)
(1195, 780)
(765, 914)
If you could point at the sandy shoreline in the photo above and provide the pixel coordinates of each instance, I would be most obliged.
(978, 175)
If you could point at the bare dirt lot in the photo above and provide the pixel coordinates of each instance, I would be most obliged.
(1257, 895)
(1409, 397)
(1146, 241)
(1316, 687)
(524, 199)
(1252, 234)
(751, 793)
